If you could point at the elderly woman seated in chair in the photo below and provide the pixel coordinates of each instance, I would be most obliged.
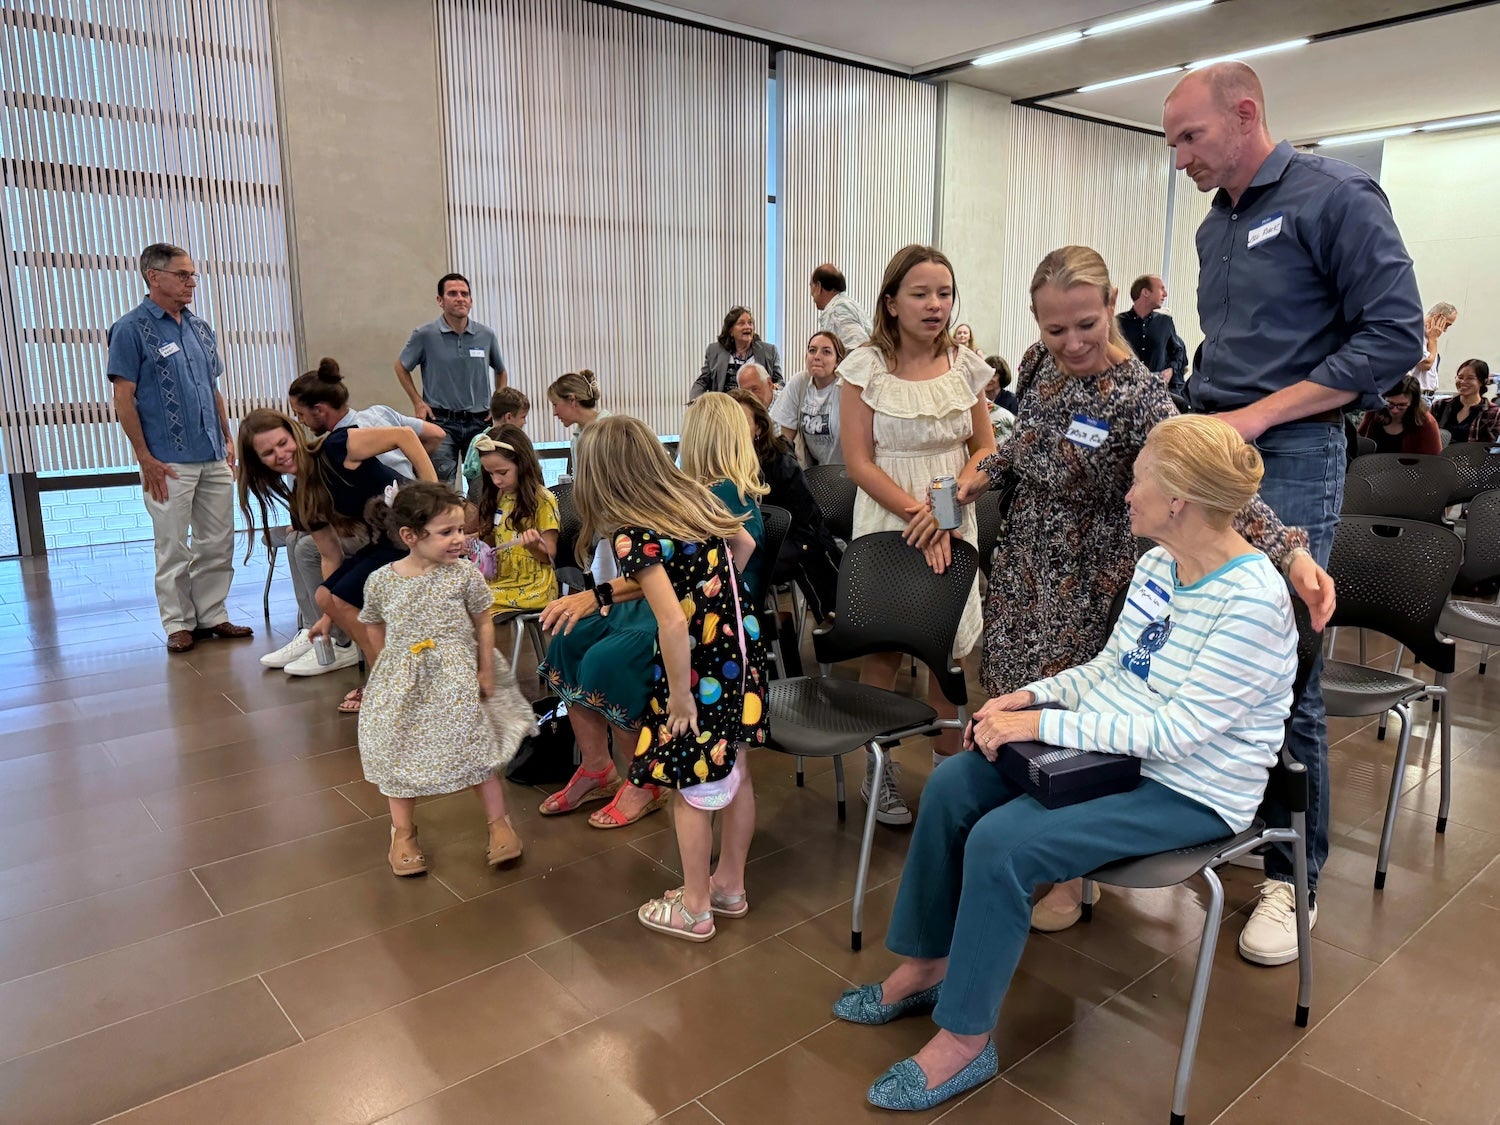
(1195, 680)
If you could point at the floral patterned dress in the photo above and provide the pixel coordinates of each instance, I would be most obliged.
(728, 667)
(423, 730)
(1066, 547)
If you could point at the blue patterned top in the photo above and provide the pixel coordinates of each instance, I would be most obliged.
(175, 367)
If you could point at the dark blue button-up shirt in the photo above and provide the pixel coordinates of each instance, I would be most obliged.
(1306, 278)
(175, 367)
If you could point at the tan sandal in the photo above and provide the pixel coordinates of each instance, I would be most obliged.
(406, 857)
(505, 845)
(725, 906)
(668, 916)
(606, 785)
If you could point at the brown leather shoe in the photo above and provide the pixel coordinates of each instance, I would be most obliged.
(223, 629)
(180, 641)
(406, 855)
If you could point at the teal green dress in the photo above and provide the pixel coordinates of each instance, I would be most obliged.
(604, 664)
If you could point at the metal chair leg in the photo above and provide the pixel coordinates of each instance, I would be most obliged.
(515, 645)
(801, 777)
(1484, 658)
(265, 598)
(867, 841)
(1086, 906)
(1445, 734)
(1362, 646)
(838, 786)
(1199, 999)
(1398, 772)
(1304, 919)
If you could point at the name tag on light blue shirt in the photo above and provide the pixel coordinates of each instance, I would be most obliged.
(1151, 600)
(1087, 432)
(1264, 231)
(168, 351)
(476, 353)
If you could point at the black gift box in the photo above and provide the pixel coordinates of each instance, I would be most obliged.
(1058, 777)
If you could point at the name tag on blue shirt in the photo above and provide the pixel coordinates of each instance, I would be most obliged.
(476, 353)
(1151, 600)
(1087, 432)
(1264, 231)
(168, 351)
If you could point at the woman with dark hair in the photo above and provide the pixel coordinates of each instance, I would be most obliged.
(736, 346)
(1405, 425)
(809, 407)
(810, 556)
(333, 479)
(1467, 416)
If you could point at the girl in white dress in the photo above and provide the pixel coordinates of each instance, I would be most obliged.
(912, 408)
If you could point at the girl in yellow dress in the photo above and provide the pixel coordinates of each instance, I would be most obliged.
(517, 517)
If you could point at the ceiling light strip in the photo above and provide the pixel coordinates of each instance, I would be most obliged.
(1253, 53)
(1029, 48)
(1162, 73)
(1146, 17)
(1471, 122)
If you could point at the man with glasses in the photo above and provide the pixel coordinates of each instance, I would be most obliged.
(456, 356)
(164, 368)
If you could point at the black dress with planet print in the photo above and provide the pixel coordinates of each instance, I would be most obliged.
(728, 678)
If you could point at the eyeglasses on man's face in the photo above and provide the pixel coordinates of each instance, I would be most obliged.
(188, 277)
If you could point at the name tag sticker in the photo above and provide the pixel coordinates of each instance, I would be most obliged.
(1151, 599)
(476, 353)
(168, 351)
(1087, 432)
(1264, 231)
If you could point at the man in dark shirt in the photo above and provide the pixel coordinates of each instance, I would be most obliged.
(1151, 333)
(1308, 304)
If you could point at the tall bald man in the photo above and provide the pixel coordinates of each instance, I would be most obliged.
(1308, 306)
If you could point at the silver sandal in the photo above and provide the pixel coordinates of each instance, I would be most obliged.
(668, 916)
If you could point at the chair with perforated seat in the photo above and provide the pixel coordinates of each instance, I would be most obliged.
(1393, 576)
(835, 493)
(1478, 467)
(569, 526)
(990, 515)
(889, 600)
(1478, 622)
(1413, 486)
(777, 522)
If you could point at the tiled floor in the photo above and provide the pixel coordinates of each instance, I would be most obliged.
(197, 925)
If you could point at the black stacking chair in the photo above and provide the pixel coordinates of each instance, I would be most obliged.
(569, 574)
(889, 600)
(1478, 468)
(1359, 497)
(1364, 446)
(1394, 577)
(777, 521)
(988, 513)
(1288, 781)
(1412, 486)
(1478, 622)
(834, 492)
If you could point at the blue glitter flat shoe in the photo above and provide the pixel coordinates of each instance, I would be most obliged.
(904, 1086)
(862, 1004)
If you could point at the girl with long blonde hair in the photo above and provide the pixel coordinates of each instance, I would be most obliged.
(717, 449)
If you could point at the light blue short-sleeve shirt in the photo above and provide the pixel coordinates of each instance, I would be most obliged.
(455, 366)
(175, 366)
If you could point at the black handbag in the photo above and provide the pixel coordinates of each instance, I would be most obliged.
(545, 758)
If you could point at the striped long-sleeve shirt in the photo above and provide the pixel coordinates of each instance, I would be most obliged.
(1195, 680)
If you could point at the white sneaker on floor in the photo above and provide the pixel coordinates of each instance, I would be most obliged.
(890, 809)
(344, 656)
(1270, 935)
(297, 646)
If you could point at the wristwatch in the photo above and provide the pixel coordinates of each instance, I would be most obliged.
(604, 594)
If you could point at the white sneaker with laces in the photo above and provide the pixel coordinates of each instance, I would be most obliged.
(344, 656)
(288, 652)
(1270, 935)
(890, 809)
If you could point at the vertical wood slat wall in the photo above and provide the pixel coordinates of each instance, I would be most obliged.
(606, 192)
(1189, 207)
(859, 156)
(1077, 182)
(126, 122)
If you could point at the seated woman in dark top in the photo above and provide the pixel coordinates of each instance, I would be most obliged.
(810, 556)
(1467, 416)
(1405, 425)
(332, 479)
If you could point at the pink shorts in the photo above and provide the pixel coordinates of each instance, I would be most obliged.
(711, 796)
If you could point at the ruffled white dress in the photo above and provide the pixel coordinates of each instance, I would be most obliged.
(922, 431)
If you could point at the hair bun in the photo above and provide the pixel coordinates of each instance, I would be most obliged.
(328, 370)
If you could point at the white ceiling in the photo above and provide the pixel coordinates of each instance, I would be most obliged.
(1435, 67)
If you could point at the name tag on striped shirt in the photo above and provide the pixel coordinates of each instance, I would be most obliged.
(1151, 600)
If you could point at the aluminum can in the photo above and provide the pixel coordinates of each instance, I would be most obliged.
(323, 648)
(943, 492)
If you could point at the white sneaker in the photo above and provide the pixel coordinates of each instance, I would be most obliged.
(344, 656)
(890, 809)
(1270, 936)
(288, 652)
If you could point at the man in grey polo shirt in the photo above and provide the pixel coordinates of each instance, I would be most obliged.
(1308, 305)
(456, 355)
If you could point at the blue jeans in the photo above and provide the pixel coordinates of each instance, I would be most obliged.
(981, 845)
(460, 430)
(1304, 486)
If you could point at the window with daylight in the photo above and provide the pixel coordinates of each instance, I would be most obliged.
(122, 123)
